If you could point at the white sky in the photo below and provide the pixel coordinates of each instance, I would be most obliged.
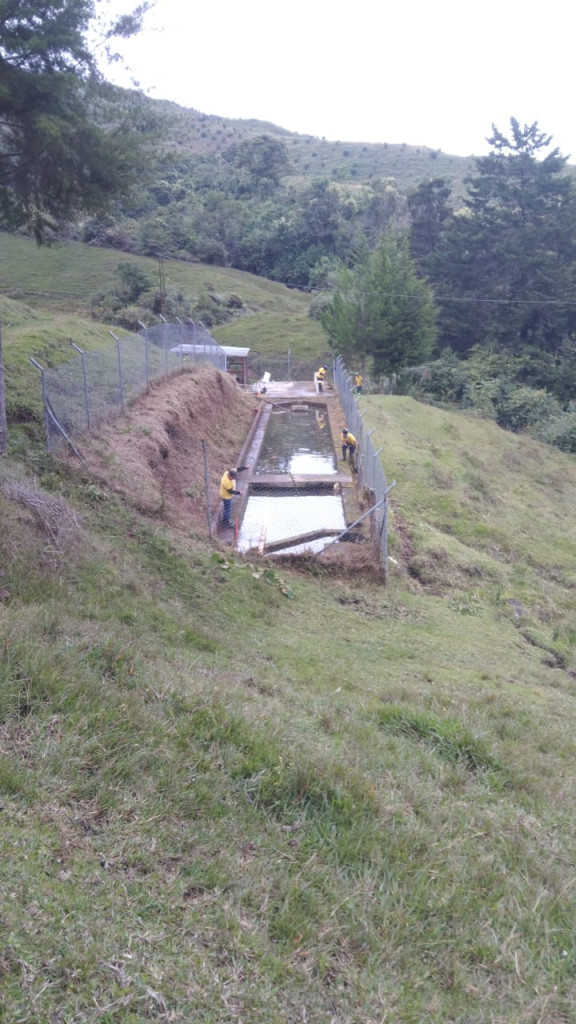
(435, 74)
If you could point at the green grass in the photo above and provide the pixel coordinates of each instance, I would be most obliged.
(66, 275)
(45, 306)
(275, 333)
(232, 792)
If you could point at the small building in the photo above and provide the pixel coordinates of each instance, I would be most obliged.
(226, 357)
(237, 362)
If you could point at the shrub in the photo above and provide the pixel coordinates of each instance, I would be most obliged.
(319, 303)
(520, 408)
(130, 317)
(442, 381)
(559, 431)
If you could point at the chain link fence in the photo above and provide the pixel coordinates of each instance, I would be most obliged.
(371, 475)
(285, 366)
(93, 387)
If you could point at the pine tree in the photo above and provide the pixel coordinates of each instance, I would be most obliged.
(384, 310)
(55, 160)
(507, 262)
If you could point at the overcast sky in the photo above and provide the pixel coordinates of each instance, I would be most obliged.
(431, 74)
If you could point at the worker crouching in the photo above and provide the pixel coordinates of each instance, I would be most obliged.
(349, 444)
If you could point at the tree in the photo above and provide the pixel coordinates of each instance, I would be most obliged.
(507, 262)
(429, 210)
(343, 317)
(259, 164)
(55, 159)
(384, 310)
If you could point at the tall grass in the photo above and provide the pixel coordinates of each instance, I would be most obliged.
(221, 805)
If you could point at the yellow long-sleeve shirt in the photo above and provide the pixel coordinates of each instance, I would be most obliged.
(227, 485)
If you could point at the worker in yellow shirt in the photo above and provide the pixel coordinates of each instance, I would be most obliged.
(349, 444)
(227, 492)
(319, 378)
(358, 383)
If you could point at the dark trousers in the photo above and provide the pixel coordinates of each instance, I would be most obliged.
(226, 508)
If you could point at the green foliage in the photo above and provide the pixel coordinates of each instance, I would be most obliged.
(259, 164)
(491, 383)
(383, 309)
(506, 262)
(322, 305)
(443, 381)
(132, 281)
(559, 431)
(516, 407)
(55, 160)
(210, 308)
(429, 210)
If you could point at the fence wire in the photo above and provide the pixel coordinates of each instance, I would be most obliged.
(93, 387)
(285, 366)
(371, 474)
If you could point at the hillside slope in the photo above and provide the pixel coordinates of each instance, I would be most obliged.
(194, 133)
(253, 793)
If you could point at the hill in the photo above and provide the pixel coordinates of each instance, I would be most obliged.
(192, 133)
(242, 791)
(256, 197)
(47, 297)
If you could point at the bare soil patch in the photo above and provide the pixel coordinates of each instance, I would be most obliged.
(154, 456)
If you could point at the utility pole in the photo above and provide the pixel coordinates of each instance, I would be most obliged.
(3, 425)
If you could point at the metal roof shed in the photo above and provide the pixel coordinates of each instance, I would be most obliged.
(237, 362)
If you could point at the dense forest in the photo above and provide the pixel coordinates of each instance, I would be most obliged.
(451, 279)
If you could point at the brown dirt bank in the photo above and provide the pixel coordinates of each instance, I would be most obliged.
(153, 454)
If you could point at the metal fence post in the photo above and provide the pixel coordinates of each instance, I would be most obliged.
(181, 342)
(86, 398)
(146, 364)
(164, 341)
(120, 378)
(193, 325)
(44, 402)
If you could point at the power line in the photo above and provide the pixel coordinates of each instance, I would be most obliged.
(507, 302)
(487, 302)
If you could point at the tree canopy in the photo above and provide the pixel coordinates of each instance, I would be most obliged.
(505, 270)
(55, 160)
(384, 310)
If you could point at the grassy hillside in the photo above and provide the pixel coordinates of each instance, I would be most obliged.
(192, 132)
(237, 791)
(66, 275)
(45, 299)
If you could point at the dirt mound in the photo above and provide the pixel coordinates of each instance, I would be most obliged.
(154, 455)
